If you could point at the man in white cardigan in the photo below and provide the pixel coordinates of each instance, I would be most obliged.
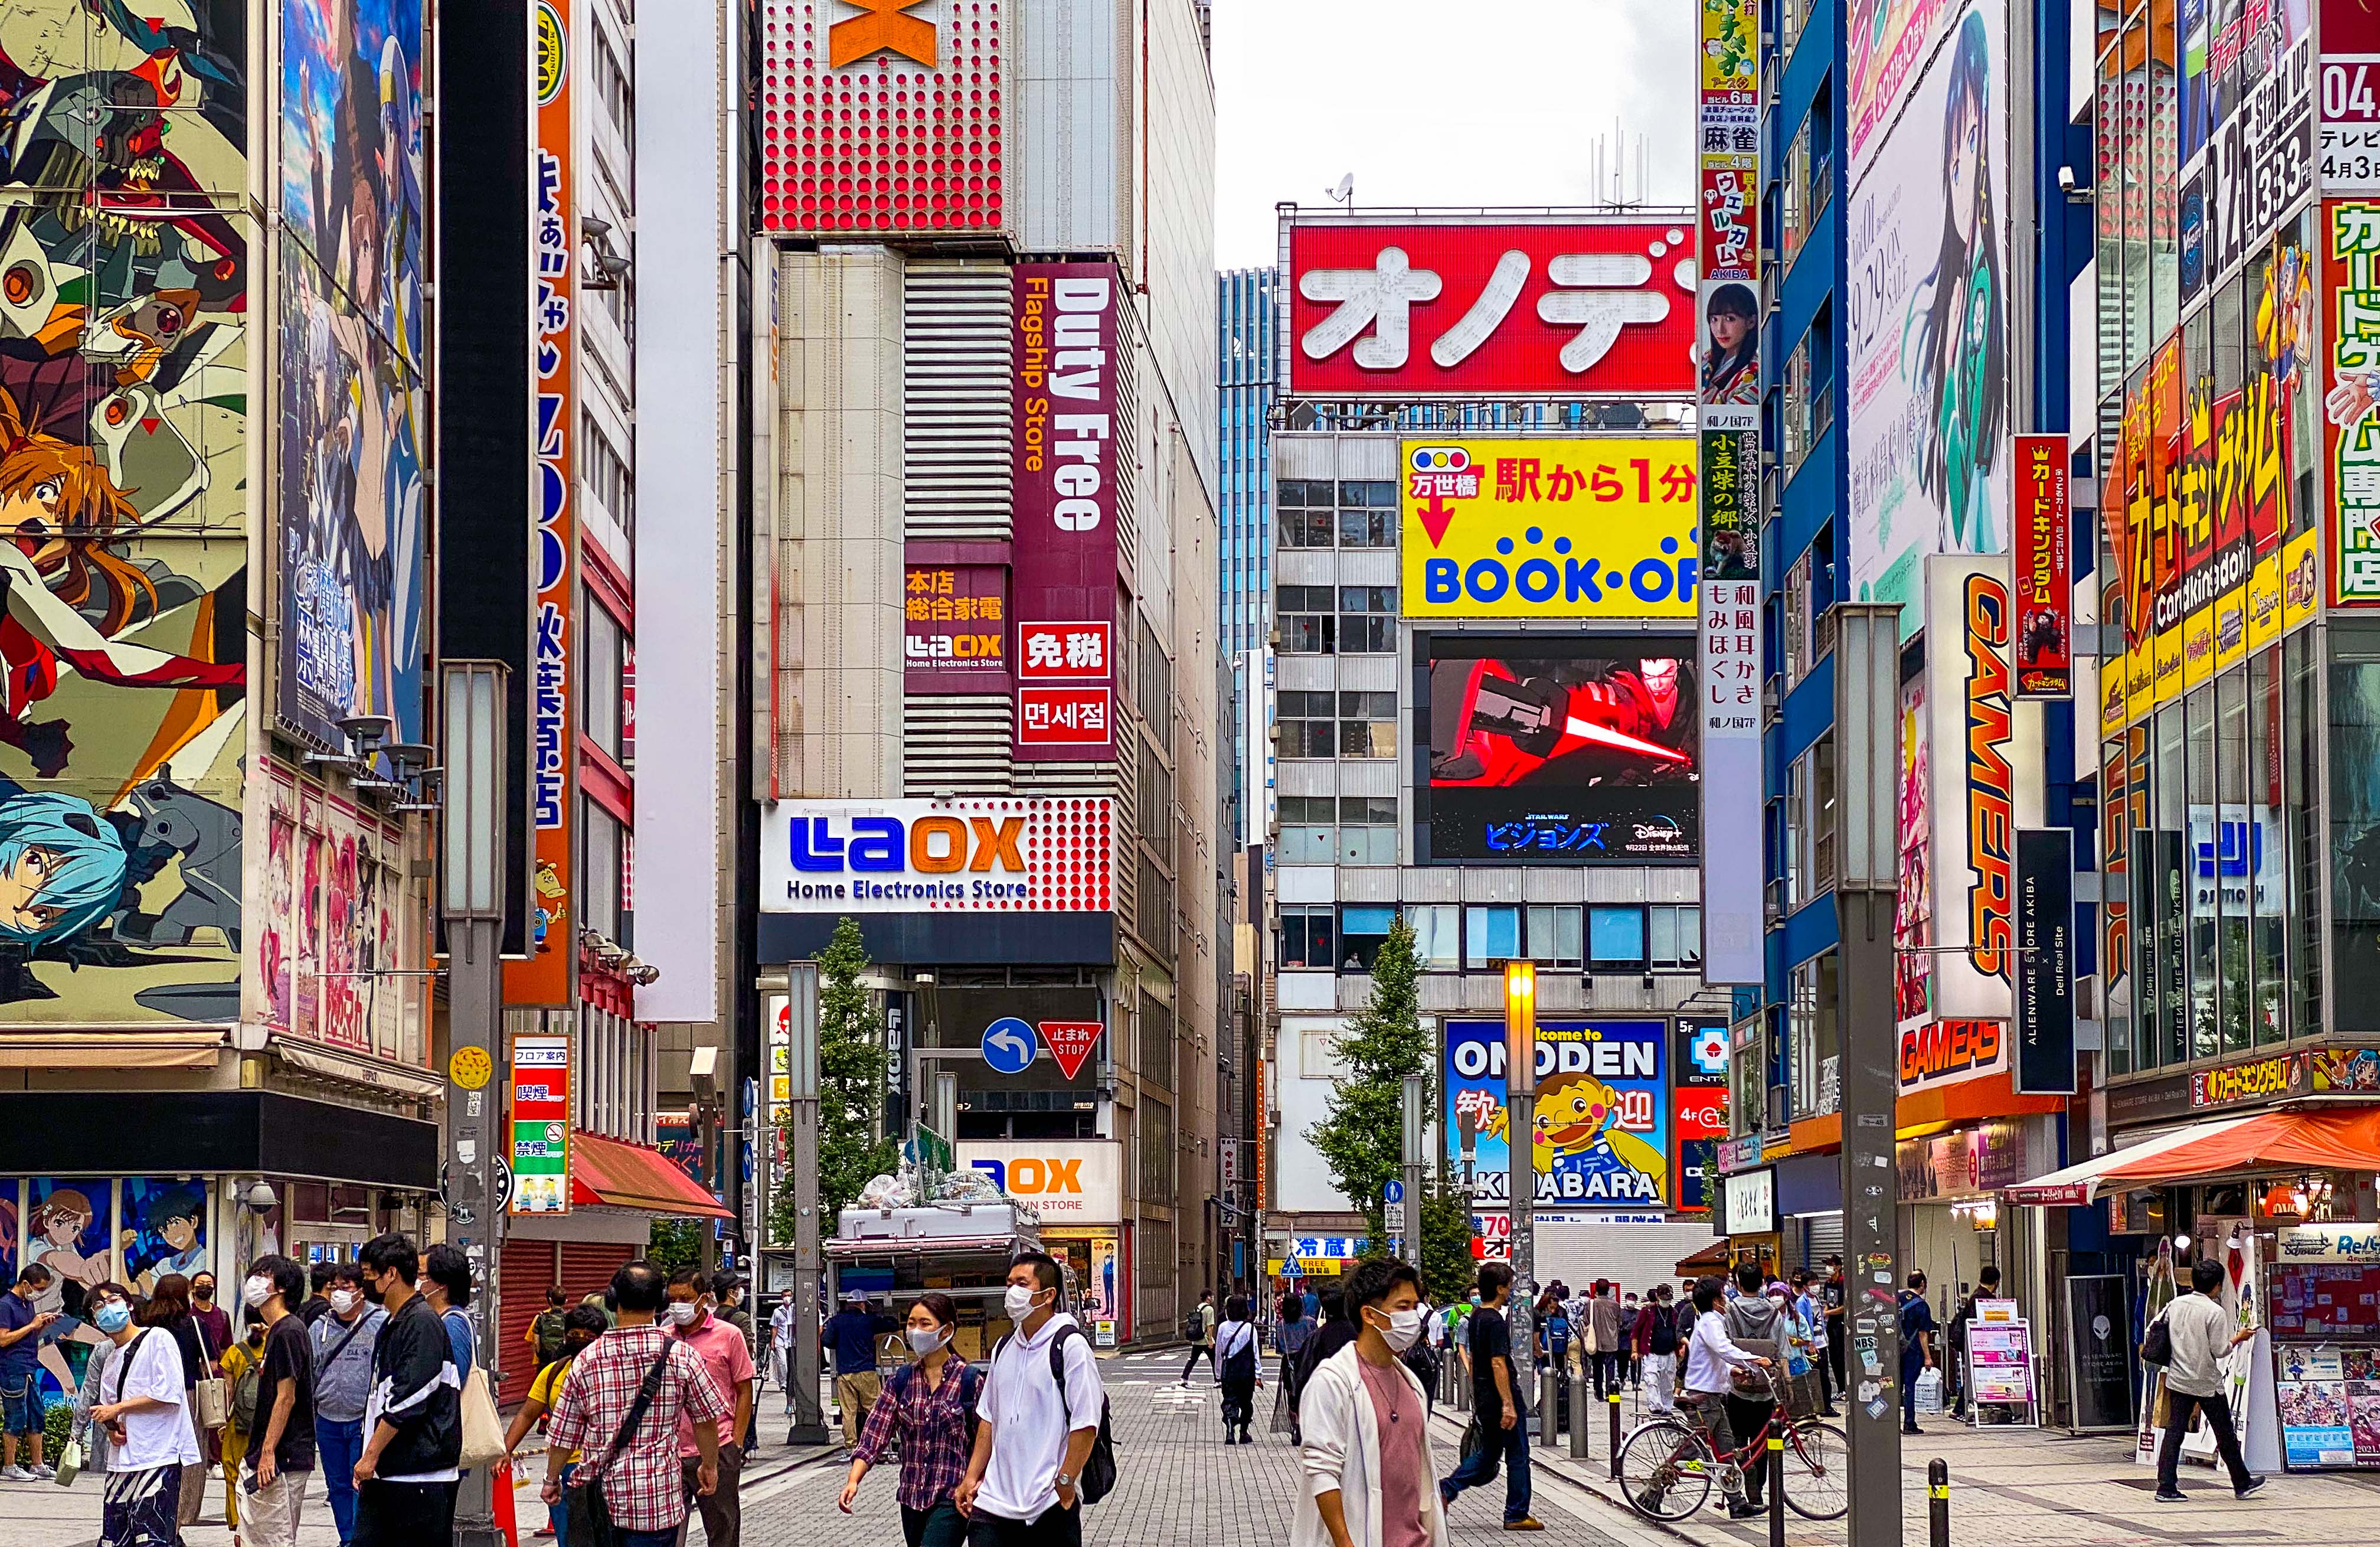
(1370, 1478)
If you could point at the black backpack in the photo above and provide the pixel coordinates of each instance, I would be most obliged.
(970, 1391)
(1100, 1468)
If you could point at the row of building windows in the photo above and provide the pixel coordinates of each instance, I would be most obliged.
(1343, 620)
(1479, 936)
(1315, 724)
(1317, 513)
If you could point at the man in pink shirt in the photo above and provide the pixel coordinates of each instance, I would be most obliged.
(729, 1359)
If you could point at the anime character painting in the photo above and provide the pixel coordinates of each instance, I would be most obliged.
(1578, 1129)
(1954, 340)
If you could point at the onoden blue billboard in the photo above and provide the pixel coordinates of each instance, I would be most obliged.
(1602, 1110)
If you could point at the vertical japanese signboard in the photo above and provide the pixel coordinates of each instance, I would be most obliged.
(2044, 1060)
(1729, 669)
(2350, 283)
(2348, 88)
(1067, 464)
(2045, 569)
(540, 1125)
(544, 977)
(955, 629)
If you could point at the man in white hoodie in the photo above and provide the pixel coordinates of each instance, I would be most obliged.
(1370, 1479)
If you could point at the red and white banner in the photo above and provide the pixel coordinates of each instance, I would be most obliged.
(1450, 307)
(1065, 554)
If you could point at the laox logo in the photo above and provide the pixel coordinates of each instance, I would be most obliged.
(932, 845)
(1028, 1176)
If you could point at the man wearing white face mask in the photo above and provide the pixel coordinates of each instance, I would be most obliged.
(1370, 1479)
(343, 1340)
(1037, 1430)
(729, 1359)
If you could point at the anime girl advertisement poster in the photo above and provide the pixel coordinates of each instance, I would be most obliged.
(1602, 1110)
(1929, 392)
(1912, 908)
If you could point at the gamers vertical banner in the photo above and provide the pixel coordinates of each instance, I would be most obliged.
(2045, 569)
(1067, 455)
(544, 978)
(1603, 1110)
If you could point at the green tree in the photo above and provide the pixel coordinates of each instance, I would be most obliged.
(851, 1087)
(673, 1244)
(1448, 1273)
(1361, 1137)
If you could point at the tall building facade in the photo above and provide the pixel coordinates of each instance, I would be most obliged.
(986, 605)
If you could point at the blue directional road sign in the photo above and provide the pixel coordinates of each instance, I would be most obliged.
(1009, 1045)
(1392, 1190)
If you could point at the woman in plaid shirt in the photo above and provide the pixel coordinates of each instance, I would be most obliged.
(929, 1404)
(643, 1483)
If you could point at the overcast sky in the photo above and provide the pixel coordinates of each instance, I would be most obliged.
(1439, 102)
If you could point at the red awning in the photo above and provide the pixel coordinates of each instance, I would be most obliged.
(624, 1175)
(2329, 1139)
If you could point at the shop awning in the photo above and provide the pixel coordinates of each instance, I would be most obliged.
(2337, 1138)
(1712, 1259)
(632, 1177)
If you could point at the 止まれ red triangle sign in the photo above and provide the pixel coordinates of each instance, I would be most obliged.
(1071, 1042)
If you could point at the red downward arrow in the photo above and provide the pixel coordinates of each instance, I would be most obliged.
(1435, 516)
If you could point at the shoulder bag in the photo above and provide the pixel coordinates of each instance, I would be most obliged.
(2156, 1344)
(483, 1429)
(589, 1512)
(214, 1392)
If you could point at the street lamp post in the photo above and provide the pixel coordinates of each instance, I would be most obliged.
(1417, 1094)
(1520, 1144)
(471, 900)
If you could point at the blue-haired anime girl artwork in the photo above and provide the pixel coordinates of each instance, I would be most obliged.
(1954, 344)
(63, 868)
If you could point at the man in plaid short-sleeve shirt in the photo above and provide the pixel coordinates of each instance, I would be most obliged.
(643, 1484)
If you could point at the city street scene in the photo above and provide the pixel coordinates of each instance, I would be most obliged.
(1361, 775)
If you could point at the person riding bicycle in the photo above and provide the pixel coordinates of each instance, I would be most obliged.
(1711, 1355)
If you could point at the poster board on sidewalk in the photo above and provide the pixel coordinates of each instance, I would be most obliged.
(2002, 1391)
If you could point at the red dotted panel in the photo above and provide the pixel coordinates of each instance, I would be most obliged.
(885, 143)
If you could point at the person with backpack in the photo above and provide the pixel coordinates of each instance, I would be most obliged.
(1236, 1368)
(1656, 1333)
(1421, 1356)
(1290, 1336)
(243, 1365)
(1041, 1447)
(546, 1335)
(1198, 1330)
(929, 1407)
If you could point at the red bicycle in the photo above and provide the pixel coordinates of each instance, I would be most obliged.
(1667, 1466)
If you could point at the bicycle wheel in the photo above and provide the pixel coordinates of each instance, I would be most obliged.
(1666, 1469)
(1818, 1471)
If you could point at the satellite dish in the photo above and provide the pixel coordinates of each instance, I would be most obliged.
(1345, 192)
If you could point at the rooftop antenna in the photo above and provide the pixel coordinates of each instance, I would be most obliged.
(1608, 164)
(1344, 193)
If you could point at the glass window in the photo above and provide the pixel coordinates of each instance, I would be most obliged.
(1491, 935)
(1308, 730)
(1308, 626)
(2230, 856)
(1555, 937)
(1368, 619)
(2302, 830)
(2267, 948)
(2172, 840)
(598, 884)
(2164, 180)
(2115, 917)
(1362, 932)
(600, 678)
(1309, 845)
(1367, 528)
(1615, 937)
(2355, 826)
(1676, 936)
(1367, 725)
(1306, 937)
(1436, 938)
(2205, 992)
(1368, 810)
(2134, 185)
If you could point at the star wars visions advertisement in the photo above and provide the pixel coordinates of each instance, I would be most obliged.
(1547, 751)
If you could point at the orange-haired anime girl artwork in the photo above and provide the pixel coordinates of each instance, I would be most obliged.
(68, 593)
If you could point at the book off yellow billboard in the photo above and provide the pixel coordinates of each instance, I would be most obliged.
(1549, 529)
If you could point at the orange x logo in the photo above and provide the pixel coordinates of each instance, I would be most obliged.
(883, 30)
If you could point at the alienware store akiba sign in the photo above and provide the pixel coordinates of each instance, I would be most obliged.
(983, 856)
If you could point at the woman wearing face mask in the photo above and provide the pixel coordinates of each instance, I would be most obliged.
(580, 1326)
(929, 1407)
(241, 1357)
(109, 1306)
(1236, 1368)
(1370, 1478)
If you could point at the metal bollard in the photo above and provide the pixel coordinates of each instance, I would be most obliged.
(1937, 1503)
(1613, 1403)
(1548, 1408)
(1777, 1488)
(1577, 1419)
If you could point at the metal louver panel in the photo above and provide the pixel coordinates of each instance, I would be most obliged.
(1127, 433)
(960, 744)
(958, 485)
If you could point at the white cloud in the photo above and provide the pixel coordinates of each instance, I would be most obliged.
(1441, 103)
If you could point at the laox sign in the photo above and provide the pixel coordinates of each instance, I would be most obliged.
(983, 854)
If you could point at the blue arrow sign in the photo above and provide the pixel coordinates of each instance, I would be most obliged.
(1008, 1045)
(1393, 1191)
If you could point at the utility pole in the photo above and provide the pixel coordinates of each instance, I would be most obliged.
(471, 900)
(802, 1103)
(1520, 1146)
(1867, 728)
(1416, 1102)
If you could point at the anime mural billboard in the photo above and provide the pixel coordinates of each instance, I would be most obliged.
(347, 322)
(1929, 308)
(123, 295)
(335, 915)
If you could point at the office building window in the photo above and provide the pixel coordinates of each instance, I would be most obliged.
(1676, 936)
(1367, 725)
(1555, 936)
(1367, 514)
(1305, 512)
(1615, 938)
(1308, 624)
(1491, 935)
(1362, 931)
(1435, 941)
(1368, 620)
(1307, 935)
(1306, 834)
(1308, 729)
